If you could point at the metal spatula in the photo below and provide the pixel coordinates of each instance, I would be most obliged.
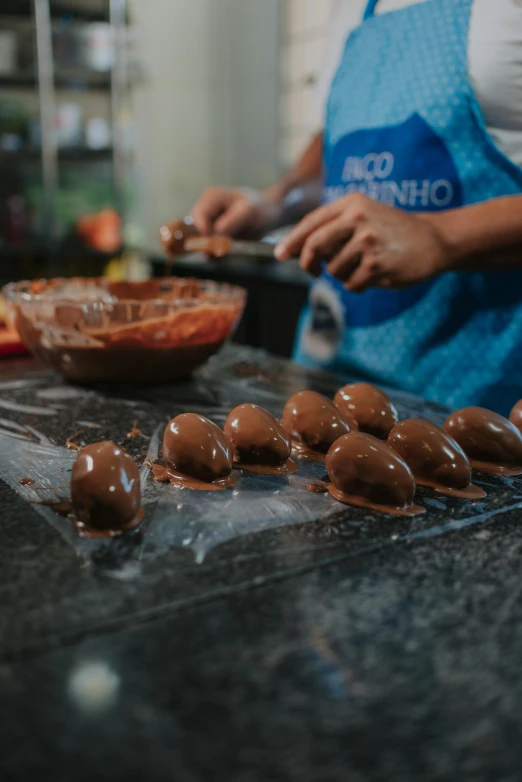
(219, 246)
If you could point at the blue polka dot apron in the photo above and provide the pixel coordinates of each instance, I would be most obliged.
(403, 127)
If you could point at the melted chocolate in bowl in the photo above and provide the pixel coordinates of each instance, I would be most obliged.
(435, 459)
(93, 330)
(373, 411)
(105, 488)
(516, 416)
(367, 473)
(492, 443)
(314, 423)
(260, 443)
(197, 454)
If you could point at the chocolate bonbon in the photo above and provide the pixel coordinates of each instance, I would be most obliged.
(435, 458)
(260, 442)
(516, 416)
(373, 411)
(174, 234)
(367, 473)
(314, 423)
(105, 488)
(492, 443)
(197, 454)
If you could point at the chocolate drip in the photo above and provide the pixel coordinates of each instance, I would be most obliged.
(162, 474)
(174, 234)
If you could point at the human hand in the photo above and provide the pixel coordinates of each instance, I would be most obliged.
(368, 243)
(234, 212)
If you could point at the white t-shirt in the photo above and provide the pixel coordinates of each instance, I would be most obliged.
(494, 61)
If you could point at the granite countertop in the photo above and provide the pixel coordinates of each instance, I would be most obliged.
(269, 638)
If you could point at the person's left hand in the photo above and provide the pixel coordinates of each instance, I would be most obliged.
(369, 244)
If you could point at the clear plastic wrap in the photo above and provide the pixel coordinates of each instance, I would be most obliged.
(39, 413)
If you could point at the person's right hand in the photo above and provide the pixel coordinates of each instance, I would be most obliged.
(235, 212)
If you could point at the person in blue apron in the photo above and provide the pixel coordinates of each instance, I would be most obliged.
(417, 248)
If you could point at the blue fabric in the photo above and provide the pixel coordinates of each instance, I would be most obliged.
(370, 8)
(404, 127)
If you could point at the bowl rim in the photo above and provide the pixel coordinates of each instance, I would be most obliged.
(12, 292)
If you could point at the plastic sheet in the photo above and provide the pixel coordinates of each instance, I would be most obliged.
(39, 413)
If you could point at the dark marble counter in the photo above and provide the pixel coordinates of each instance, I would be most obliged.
(297, 643)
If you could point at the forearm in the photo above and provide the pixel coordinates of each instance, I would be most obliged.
(482, 236)
(299, 191)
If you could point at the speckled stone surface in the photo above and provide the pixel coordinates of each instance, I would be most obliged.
(347, 648)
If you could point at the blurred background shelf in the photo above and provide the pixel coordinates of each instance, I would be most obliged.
(35, 248)
(14, 251)
(115, 114)
(94, 11)
(73, 80)
(67, 70)
(66, 154)
(68, 258)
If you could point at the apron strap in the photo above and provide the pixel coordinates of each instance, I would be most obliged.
(370, 9)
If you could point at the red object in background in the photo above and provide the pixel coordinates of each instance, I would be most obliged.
(10, 343)
(101, 231)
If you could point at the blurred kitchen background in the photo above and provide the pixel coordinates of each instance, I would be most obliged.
(115, 114)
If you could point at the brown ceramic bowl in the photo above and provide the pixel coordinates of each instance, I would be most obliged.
(150, 332)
